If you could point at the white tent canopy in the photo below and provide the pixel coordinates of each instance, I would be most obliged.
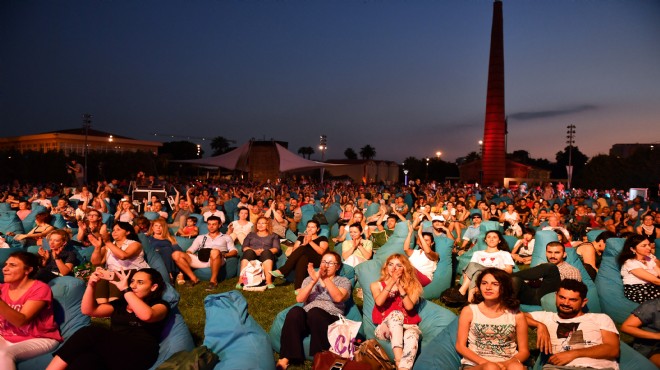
(239, 159)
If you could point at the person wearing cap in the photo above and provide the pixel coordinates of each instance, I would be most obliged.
(471, 234)
(438, 227)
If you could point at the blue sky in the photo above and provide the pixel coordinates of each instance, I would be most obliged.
(407, 77)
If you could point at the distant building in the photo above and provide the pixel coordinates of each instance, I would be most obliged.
(73, 141)
(515, 174)
(366, 171)
(626, 150)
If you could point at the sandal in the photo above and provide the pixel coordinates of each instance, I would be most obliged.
(277, 274)
(270, 286)
(180, 279)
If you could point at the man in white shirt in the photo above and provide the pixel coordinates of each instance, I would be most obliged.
(574, 339)
(214, 211)
(221, 247)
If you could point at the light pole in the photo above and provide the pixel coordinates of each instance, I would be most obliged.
(570, 140)
(481, 148)
(427, 168)
(323, 146)
(87, 123)
(405, 173)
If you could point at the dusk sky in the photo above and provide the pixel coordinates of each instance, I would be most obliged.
(407, 77)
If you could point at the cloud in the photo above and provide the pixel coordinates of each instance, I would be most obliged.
(525, 116)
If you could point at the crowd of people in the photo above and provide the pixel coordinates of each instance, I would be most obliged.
(492, 330)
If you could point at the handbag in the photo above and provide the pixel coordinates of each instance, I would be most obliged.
(204, 254)
(200, 358)
(341, 335)
(252, 275)
(372, 353)
(327, 360)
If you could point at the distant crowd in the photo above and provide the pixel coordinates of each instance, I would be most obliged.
(199, 226)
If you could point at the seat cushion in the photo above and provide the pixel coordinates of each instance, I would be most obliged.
(237, 338)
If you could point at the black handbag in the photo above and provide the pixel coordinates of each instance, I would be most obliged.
(204, 254)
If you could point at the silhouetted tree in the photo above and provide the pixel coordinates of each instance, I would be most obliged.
(306, 151)
(221, 145)
(178, 150)
(367, 152)
(349, 153)
(578, 160)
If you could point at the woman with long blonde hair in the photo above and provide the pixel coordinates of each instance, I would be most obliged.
(396, 295)
(164, 243)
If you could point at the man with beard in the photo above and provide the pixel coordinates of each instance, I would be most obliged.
(532, 284)
(574, 339)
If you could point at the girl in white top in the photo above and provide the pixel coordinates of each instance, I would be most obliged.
(240, 228)
(125, 211)
(639, 270)
(492, 332)
(125, 253)
(496, 255)
(425, 259)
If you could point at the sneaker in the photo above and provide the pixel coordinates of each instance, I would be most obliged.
(277, 274)
(239, 286)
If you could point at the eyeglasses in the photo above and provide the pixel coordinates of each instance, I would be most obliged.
(329, 263)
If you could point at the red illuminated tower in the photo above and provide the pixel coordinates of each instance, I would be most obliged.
(494, 151)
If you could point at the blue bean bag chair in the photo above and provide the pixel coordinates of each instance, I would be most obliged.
(5, 207)
(184, 242)
(443, 354)
(9, 222)
(352, 313)
(67, 295)
(58, 221)
(308, 212)
(394, 244)
(151, 215)
(541, 239)
(372, 209)
(29, 221)
(434, 318)
(610, 284)
(231, 206)
(487, 226)
(109, 220)
(332, 214)
(442, 277)
(237, 338)
(592, 234)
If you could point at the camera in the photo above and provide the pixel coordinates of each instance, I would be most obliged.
(105, 274)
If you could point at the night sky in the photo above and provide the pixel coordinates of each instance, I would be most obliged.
(407, 77)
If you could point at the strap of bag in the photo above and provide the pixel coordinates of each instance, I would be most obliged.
(203, 244)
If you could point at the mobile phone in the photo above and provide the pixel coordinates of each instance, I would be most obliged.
(105, 274)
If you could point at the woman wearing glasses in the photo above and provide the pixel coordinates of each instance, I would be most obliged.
(396, 295)
(323, 294)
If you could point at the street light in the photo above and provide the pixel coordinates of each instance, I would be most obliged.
(570, 140)
(323, 146)
(481, 148)
(438, 154)
(405, 172)
(427, 168)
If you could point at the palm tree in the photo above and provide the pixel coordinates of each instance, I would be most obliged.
(221, 145)
(349, 153)
(306, 150)
(367, 152)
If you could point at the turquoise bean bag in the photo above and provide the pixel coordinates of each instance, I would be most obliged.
(151, 216)
(109, 220)
(332, 214)
(442, 277)
(5, 207)
(628, 359)
(443, 353)
(610, 284)
(235, 336)
(434, 318)
(29, 221)
(58, 221)
(184, 242)
(541, 239)
(592, 234)
(308, 212)
(372, 210)
(9, 222)
(231, 206)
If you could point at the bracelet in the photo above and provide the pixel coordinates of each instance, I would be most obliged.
(126, 291)
(403, 296)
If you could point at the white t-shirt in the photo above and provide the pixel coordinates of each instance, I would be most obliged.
(422, 263)
(499, 259)
(633, 264)
(241, 231)
(579, 332)
(217, 213)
